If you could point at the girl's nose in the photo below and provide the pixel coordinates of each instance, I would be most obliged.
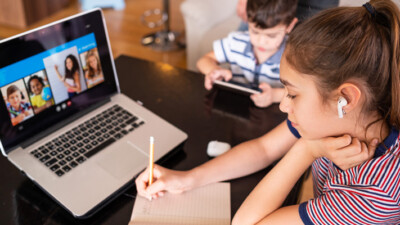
(284, 105)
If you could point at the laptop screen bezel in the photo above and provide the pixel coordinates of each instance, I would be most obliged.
(82, 24)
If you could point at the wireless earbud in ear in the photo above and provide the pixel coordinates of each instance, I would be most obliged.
(341, 102)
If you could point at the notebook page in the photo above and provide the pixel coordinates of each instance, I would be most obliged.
(205, 205)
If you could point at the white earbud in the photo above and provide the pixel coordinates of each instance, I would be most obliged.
(341, 102)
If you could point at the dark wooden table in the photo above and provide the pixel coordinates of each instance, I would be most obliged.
(178, 96)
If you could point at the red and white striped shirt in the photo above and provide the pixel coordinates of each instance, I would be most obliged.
(366, 194)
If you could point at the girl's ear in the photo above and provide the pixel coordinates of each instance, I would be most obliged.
(291, 25)
(352, 94)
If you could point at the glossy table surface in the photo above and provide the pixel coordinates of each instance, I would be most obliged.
(178, 96)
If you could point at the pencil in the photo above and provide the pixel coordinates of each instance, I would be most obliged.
(151, 160)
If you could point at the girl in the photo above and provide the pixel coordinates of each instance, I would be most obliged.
(94, 74)
(343, 61)
(35, 86)
(18, 109)
(71, 79)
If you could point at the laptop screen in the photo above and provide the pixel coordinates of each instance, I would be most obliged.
(53, 73)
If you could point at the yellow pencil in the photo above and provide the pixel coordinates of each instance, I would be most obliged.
(151, 160)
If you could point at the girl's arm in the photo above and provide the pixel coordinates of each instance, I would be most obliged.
(58, 73)
(261, 206)
(243, 159)
(270, 193)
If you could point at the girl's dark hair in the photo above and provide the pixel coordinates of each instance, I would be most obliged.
(75, 67)
(356, 44)
(270, 13)
(11, 89)
(32, 78)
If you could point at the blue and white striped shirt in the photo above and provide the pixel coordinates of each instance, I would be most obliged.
(237, 50)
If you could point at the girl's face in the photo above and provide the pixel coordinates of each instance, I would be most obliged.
(15, 99)
(69, 64)
(93, 62)
(304, 105)
(36, 87)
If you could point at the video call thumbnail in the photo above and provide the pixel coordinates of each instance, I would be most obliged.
(66, 72)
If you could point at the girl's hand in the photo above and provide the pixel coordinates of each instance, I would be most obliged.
(165, 180)
(217, 74)
(345, 151)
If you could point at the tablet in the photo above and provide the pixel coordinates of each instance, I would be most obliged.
(236, 87)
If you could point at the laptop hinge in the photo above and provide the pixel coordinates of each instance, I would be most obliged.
(63, 123)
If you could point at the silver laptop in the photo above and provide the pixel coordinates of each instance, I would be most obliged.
(63, 120)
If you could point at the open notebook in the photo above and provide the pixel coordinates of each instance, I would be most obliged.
(205, 205)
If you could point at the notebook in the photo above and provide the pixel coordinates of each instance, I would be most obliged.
(64, 122)
(209, 205)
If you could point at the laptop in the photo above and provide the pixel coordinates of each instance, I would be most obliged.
(64, 122)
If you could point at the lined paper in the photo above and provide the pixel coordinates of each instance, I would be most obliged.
(205, 205)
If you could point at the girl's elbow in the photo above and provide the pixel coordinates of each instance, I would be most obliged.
(238, 220)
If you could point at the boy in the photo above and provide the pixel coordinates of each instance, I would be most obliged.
(254, 56)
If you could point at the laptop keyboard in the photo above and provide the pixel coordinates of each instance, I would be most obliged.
(74, 147)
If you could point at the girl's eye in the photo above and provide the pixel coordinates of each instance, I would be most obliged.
(290, 96)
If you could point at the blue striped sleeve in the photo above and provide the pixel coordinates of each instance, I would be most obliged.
(304, 215)
(292, 129)
(220, 51)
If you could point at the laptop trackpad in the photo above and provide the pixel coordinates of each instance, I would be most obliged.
(123, 159)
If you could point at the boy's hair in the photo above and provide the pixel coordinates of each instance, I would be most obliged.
(270, 13)
(32, 78)
(13, 88)
(353, 44)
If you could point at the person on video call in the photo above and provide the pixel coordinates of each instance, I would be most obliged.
(71, 80)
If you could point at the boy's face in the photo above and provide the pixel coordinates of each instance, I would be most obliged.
(36, 86)
(267, 40)
(14, 99)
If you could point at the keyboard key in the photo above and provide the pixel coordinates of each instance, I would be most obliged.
(54, 168)
(45, 158)
(62, 162)
(81, 159)
(73, 164)
(51, 162)
(66, 168)
(99, 147)
(59, 173)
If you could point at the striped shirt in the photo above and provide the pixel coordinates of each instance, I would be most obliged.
(237, 50)
(366, 194)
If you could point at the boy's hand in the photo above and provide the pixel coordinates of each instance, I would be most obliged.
(217, 74)
(345, 151)
(265, 98)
